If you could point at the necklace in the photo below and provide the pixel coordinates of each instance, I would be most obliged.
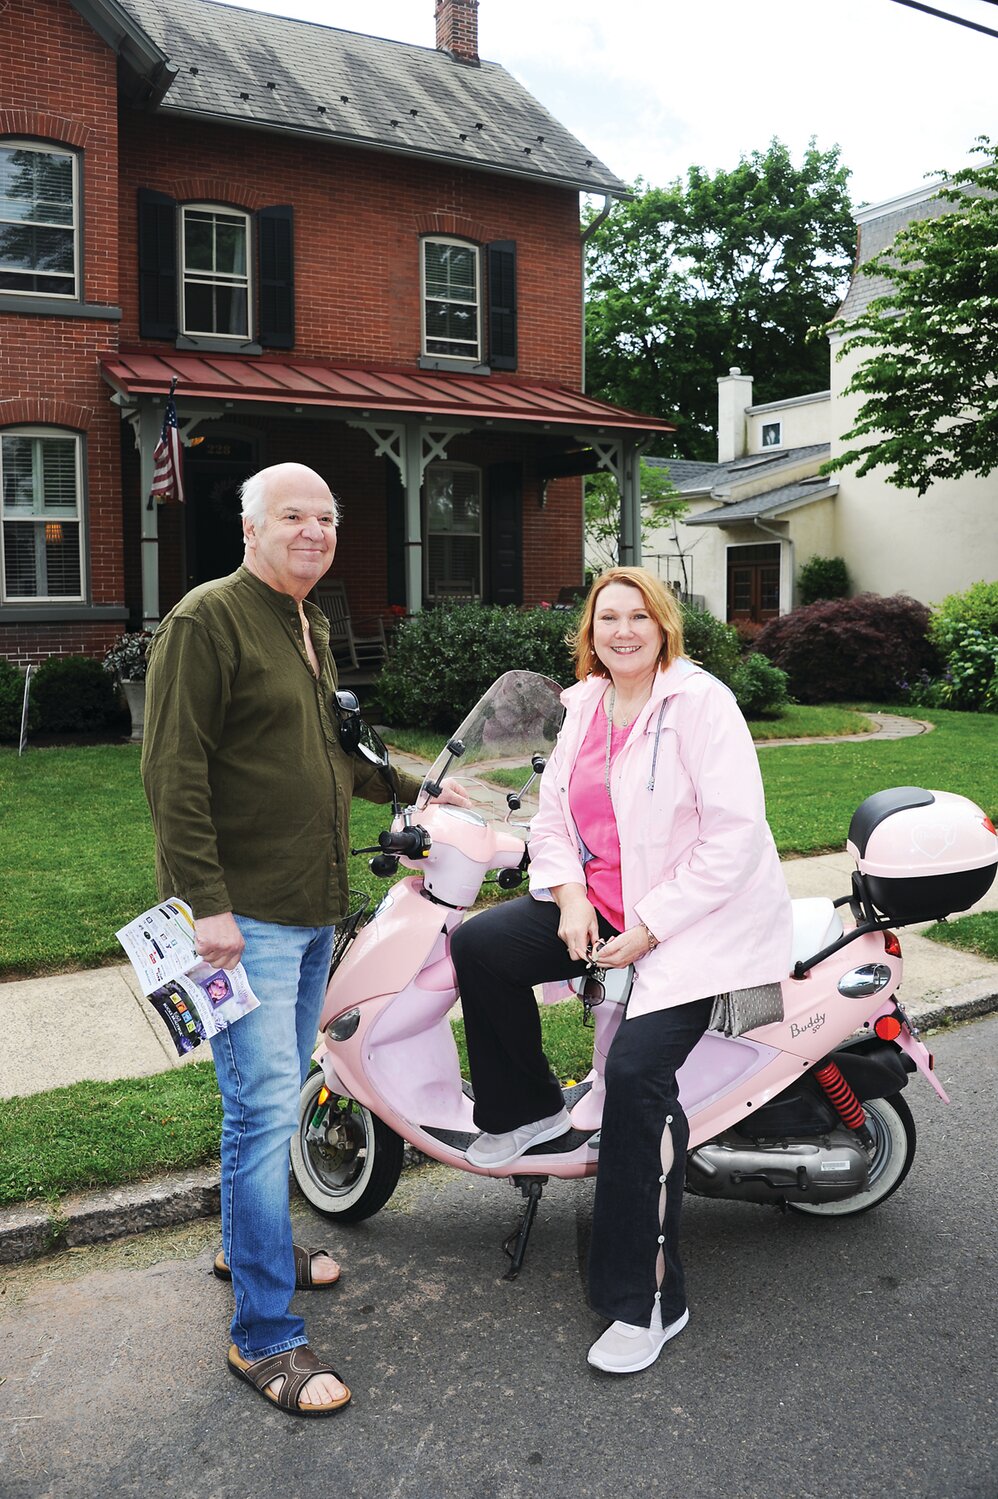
(609, 738)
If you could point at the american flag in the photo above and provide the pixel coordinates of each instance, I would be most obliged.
(168, 473)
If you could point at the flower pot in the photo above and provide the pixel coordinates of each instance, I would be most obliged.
(135, 697)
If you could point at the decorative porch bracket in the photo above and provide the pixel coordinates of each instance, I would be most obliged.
(411, 446)
(621, 457)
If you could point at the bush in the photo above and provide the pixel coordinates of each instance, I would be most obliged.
(73, 694)
(864, 647)
(711, 644)
(822, 578)
(11, 702)
(964, 628)
(442, 660)
(760, 687)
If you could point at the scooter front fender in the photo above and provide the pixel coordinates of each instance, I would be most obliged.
(388, 951)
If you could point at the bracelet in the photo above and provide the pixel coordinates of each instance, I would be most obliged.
(652, 939)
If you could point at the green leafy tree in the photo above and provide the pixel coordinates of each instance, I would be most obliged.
(731, 269)
(660, 504)
(931, 408)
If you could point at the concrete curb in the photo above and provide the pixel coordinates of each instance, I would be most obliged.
(28, 1231)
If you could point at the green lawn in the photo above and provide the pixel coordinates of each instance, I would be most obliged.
(78, 845)
(977, 934)
(105, 1134)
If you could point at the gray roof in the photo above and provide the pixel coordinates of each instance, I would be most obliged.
(878, 233)
(692, 477)
(774, 503)
(249, 68)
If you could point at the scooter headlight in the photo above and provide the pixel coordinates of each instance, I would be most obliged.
(343, 1027)
(859, 983)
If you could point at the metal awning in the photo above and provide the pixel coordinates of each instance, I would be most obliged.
(370, 393)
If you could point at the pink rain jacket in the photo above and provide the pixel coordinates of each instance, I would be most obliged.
(698, 864)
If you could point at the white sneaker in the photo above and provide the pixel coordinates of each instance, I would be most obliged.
(624, 1348)
(499, 1150)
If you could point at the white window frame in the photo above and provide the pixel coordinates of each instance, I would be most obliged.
(467, 468)
(50, 433)
(475, 355)
(216, 278)
(43, 148)
(776, 427)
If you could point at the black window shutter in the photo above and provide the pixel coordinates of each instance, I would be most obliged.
(277, 280)
(502, 304)
(157, 265)
(395, 533)
(505, 557)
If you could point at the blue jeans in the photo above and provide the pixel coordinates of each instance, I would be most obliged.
(261, 1062)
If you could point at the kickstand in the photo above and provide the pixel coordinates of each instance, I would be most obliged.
(515, 1246)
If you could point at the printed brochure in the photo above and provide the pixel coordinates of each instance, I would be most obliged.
(195, 1000)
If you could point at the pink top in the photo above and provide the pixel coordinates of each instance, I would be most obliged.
(594, 818)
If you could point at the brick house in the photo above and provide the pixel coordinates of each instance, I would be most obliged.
(357, 253)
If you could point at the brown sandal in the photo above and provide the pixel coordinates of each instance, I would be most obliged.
(294, 1368)
(303, 1269)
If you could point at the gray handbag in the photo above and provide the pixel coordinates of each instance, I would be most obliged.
(746, 1009)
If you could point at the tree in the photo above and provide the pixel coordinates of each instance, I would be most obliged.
(660, 503)
(730, 269)
(931, 408)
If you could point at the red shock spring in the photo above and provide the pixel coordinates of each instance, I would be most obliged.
(843, 1099)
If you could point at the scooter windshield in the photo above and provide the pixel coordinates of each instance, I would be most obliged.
(518, 717)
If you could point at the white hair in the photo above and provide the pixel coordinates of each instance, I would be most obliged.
(253, 495)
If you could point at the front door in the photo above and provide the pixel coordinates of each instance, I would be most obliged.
(213, 473)
(753, 583)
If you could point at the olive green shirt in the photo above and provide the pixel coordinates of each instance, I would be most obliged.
(247, 782)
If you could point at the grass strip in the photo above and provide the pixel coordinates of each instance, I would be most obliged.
(94, 1135)
(976, 934)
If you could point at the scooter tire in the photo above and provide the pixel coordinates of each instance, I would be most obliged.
(353, 1170)
(889, 1121)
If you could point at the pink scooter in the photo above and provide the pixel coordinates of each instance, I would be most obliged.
(806, 1113)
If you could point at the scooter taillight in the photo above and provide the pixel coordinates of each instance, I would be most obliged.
(891, 944)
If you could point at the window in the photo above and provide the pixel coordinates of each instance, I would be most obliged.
(216, 279)
(38, 220)
(754, 582)
(772, 434)
(453, 532)
(41, 532)
(209, 272)
(451, 299)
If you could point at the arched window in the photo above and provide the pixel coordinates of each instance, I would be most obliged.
(41, 536)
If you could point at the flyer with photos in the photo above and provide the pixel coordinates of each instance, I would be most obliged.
(195, 1000)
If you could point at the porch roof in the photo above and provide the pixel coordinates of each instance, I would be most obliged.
(369, 393)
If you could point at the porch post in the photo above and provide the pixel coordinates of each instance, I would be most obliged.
(412, 478)
(630, 505)
(150, 425)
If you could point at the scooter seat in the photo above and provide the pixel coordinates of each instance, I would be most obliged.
(817, 924)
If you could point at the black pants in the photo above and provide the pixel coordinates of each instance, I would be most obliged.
(634, 1255)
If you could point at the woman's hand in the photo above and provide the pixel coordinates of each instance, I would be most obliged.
(626, 948)
(579, 924)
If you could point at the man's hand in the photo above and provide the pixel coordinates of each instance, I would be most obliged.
(452, 794)
(218, 941)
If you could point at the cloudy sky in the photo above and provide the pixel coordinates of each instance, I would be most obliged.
(653, 86)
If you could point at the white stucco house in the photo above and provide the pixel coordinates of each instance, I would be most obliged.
(764, 508)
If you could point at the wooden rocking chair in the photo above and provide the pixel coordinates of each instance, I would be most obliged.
(362, 653)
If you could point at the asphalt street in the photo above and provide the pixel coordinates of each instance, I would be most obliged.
(823, 1360)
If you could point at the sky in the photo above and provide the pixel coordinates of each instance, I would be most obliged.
(655, 86)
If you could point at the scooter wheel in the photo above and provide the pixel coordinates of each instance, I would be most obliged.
(349, 1164)
(893, 1129)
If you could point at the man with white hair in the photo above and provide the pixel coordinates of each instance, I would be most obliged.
(250, 789)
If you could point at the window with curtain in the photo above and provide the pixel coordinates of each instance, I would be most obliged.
(41, 533)
(453, 532)
(451, 299)
(39, 220)
(216, 294)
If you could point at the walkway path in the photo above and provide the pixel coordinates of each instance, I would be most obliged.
(889, 726)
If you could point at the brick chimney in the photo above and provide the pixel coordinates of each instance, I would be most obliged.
(457, 29)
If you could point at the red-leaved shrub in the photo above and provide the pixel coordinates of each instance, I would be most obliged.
(865, 647)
